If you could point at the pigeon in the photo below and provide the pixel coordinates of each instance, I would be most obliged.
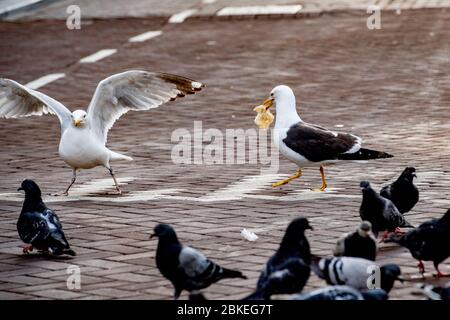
(290, 277)
(428, 242)
(310, 145)
(380, 212)
(84, 133)
(436, 293)
(341, 293)
(355, 272)
(39, 226)
(288, 269)
(402, 192)
(360, 244)
(185, 267)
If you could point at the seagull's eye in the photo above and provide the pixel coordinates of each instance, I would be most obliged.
(271, 94)
(84, 116)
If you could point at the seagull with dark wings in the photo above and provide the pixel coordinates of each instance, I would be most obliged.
(84, 133)
(309, 145)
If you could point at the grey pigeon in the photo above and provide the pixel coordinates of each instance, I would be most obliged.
(185, 267)
(428, 242)
(402, 192)
(39, 226)
(288, 269)
(355, 272)
(436, 292)
(360, 244)
(341, 292)
(380, 212)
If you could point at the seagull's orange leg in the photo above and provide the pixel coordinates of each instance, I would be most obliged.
(298, 174)
(324, 181)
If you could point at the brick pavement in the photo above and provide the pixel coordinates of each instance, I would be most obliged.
(388, 86)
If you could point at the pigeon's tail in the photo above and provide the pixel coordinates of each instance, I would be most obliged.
(227, 273)
(406, 224)
(119, 156)
(364, 154)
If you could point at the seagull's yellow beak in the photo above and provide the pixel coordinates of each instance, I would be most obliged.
(268, 103)
(264, 106)
(76, 122)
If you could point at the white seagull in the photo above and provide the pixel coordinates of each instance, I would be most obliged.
(308, 145)
(84, 133)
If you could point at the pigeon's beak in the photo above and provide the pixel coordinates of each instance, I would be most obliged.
(76, 122)
(414, 175)
(310, 228)
(20, 189)
(152, 235)
(400, 279)
(268, 103)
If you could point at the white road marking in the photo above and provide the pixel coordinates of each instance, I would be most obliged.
(42, 81)
(247, 185)
(17, 5)
(145, 36)
(208, 1)
(181, 16)
(98, 56)
(245, 188)
(259, 10)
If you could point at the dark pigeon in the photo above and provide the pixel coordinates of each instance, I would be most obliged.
(39, 226)
(185, 267)
(428, 242)
(360, 244)
(341, 292)
(354, 272)
(436, 293)
(402, 192)
(288, 269)
(380, 212)
(290, 277)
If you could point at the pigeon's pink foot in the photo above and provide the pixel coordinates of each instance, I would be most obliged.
(421, 267)
(384, 237)
(440, 274)
(27, 249)
(399, 231)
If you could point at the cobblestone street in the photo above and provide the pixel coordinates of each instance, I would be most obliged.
(389, 86)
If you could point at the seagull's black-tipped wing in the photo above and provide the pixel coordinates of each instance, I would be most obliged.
(319, 144)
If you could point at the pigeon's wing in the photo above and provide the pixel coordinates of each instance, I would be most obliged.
(134, 90)
(192, 263)
(331, 293)
(55, 227)
(18, 101)
(32, 227)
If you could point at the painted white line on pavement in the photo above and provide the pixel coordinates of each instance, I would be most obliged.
(258, 10)
(17, 5)
(208, 1)
(181, 16)
(238, 190)
(98, 56)
(145, 36)
(42, 81)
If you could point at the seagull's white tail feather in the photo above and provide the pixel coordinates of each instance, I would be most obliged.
(119, 156)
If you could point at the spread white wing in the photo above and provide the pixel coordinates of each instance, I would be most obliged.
(134, 90)
(18, 101)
